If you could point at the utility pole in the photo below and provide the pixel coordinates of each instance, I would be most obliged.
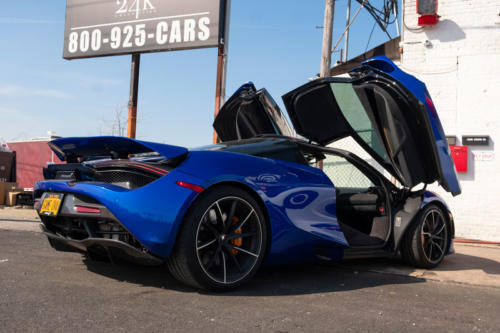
(326, 55)
(326, 52)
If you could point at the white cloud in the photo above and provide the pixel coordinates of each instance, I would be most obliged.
(15, 125)
(12, 90)
(4, 111)
(23, 20)
(52, 93)
(79, 77)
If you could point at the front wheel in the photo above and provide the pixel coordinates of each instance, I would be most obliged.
(221, 242)
(426, 242)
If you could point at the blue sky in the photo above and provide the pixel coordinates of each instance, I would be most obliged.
(273, 43)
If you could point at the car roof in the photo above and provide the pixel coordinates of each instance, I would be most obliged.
(253, 144)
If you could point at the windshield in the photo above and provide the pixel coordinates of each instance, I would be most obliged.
(355, 114)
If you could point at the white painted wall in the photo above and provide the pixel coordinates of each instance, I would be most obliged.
(461, 68)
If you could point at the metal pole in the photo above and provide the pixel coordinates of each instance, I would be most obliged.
(396, 19)
(134, 93)
(226, 46)
(348, 20)
(326, 56)
(345, 30)
(220, 89)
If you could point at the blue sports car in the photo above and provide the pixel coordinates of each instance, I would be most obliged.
(265, 196)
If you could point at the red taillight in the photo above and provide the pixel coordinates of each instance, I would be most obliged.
(196, 188)
(87, 210)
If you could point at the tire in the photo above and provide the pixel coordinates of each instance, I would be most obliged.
(215, 255)
(426, 241)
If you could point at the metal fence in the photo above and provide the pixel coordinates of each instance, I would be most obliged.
(344, 174)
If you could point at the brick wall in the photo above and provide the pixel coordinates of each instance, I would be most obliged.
(461, 67)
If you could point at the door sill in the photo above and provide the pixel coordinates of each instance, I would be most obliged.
(366, 252)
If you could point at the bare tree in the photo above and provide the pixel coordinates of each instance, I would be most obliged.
(120, 122)
(117, 125)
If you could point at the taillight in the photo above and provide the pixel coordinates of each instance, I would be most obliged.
(196, 188)
(87, 210)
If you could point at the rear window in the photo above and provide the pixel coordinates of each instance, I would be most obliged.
(287, 155)
(278, 149)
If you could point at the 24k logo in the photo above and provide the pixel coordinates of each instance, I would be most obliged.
(134, 7)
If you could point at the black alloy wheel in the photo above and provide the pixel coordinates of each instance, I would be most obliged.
(229, 240)
(222, 241)
(434, 236)
(427, 239)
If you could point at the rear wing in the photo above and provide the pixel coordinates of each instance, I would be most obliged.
(71, 149)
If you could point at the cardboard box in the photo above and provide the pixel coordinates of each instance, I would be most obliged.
(11, 199)
(5, 188)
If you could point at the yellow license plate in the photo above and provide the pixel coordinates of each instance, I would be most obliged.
(51, 204)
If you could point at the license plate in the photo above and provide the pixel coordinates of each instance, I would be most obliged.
(51, 204)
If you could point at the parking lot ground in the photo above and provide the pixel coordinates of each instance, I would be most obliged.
(472, 264)
(42, 290)
(13, 218)
(17, 214)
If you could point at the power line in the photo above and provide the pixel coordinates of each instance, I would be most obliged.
(370, 38)
(384, 16)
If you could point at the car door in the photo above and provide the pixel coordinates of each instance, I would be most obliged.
(250, 113)
(388, 112)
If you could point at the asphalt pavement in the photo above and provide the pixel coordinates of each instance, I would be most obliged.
(46, 291)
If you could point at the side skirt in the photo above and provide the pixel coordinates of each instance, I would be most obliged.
(361, 254)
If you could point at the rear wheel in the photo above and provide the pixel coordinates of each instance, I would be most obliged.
(426, 242)
(221, 242)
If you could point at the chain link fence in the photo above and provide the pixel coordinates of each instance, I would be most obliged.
(344, 174)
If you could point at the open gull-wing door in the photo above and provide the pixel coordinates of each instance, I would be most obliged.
(250, 113)
(388, 112)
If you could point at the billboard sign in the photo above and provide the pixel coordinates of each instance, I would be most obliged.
(115, 27)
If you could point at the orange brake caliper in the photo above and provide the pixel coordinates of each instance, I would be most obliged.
(237, 241)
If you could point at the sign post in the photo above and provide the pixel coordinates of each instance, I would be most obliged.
(220, 85)
(134, 93)
(119, 27)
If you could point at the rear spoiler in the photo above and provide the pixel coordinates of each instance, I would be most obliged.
(70, 149)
